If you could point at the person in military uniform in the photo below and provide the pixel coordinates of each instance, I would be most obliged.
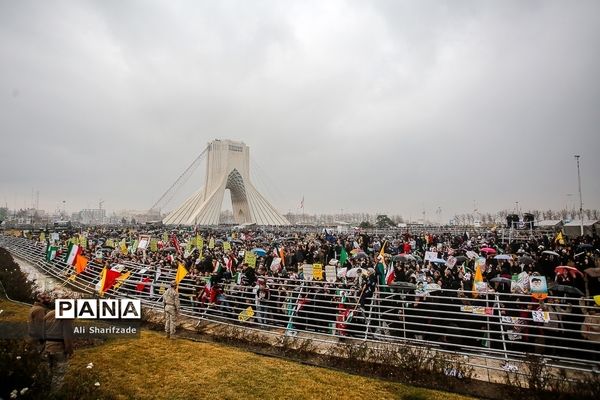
(59, 346)
(171, 305)
(36, 321)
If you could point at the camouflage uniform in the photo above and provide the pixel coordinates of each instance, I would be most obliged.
(59, 346)
(36, 326)
(171, 303)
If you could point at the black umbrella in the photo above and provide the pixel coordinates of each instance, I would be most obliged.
(584, 247)
(404, 257)
(526, 260)
(566, 289)
(461, 259)
(403, 286)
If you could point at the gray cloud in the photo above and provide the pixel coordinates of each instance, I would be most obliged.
(367, 106)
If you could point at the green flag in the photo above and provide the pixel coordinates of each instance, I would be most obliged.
(343, 257)
(51, 253)
(380, 272)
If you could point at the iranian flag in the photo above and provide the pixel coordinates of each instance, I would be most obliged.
(72, 253)
(390, 276)
(51, 252)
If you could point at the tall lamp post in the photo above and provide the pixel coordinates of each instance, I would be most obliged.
(580, 198)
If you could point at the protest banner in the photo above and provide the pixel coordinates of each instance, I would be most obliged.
(318, 272)
(250, 259)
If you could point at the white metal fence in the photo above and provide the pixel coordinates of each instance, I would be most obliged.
(496, 326)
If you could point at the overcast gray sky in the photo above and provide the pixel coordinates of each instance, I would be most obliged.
(377, 106)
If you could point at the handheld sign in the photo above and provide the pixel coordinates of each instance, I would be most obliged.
(451, 262)
(538, 287)
(307, 271)
(330, 273)
(250, 259)
(144, 242)
(318, 272)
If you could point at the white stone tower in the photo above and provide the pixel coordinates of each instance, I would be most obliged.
(227, 167)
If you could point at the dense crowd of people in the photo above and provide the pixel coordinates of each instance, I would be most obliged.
(468, 290)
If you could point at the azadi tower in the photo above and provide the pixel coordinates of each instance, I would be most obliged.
(227, 167)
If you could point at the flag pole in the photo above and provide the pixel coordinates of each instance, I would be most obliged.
(580, 198)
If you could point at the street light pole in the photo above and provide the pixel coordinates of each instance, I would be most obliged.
(580, 198)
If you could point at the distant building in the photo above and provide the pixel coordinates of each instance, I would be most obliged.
(134, 216)
(590, 227)
(92, 216)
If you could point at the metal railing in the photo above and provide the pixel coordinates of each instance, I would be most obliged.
(501, 327)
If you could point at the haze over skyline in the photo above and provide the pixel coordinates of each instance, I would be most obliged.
(380, 106)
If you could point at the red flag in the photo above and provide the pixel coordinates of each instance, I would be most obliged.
(140, 287)
(175, 243)
(110, 279)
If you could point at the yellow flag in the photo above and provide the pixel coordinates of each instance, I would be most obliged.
(559, 238)
(42, 237)
(121, 279)
(123, 247)
(181, 273)
(100, 284)
(382, 252)
(478, 275)
(246, 314)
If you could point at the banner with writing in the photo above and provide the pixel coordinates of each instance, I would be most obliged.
(250, 259)
(318, 272)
